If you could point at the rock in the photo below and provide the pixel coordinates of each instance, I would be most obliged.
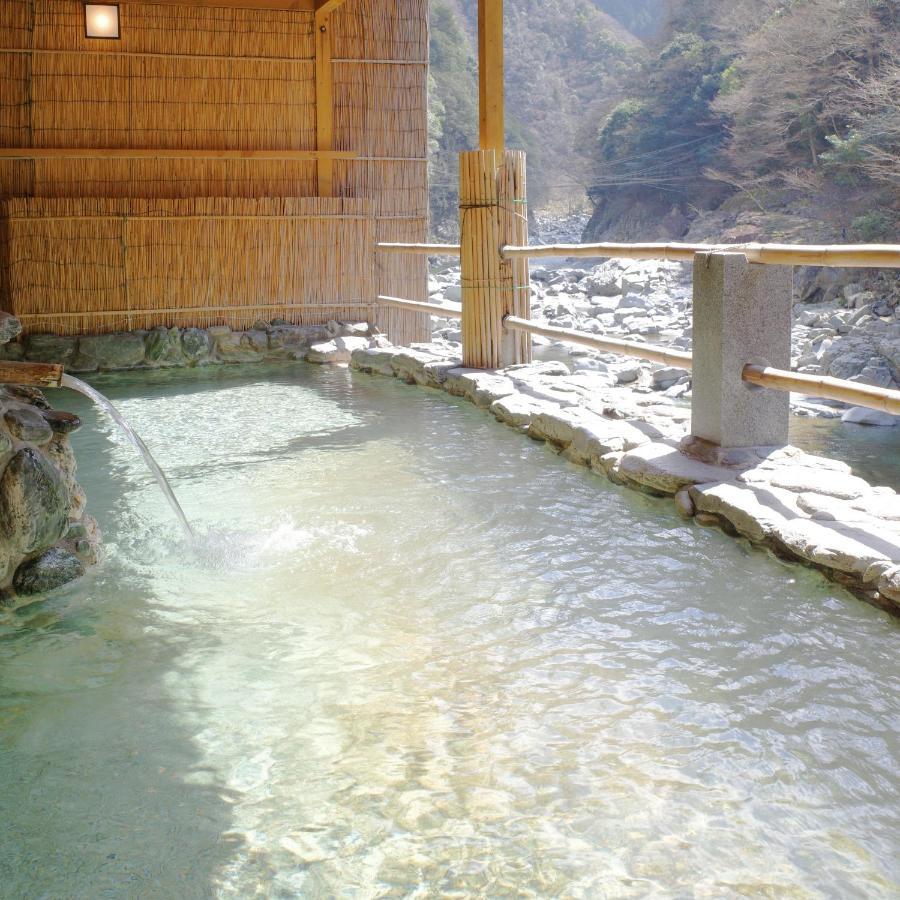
(861, 415)
(34, 502)
(10, 327)
(753, 512)
(62, 422)
(374, 360)
(832, 545)
(684, 504)
(518, 410)
(288, 341)
(889, 584)
(663, 469)
(195, 345)
(28, 425)
(337, 351)
(240, 346)
(109, 352)
(50, 348)
(664, 378)
(804, 479)
(50, 570)
(164, 347)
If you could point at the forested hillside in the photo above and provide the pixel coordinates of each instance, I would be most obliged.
(566, 62)
(772, 119)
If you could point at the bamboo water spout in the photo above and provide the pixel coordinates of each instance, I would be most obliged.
(31, 374)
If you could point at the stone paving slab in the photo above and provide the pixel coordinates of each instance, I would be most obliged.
(808, 508)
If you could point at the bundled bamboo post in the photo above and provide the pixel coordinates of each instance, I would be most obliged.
(492, 209)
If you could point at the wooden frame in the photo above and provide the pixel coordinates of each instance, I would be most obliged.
(127, 153)
(490, 76)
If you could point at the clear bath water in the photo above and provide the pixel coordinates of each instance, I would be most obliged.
(420, 656)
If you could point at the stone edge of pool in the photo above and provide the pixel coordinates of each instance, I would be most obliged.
(803, 508)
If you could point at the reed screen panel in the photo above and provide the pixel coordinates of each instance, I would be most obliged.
(206, 79)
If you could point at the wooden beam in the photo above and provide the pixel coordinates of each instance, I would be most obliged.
(327, 7)
(490, 75)
(127, 153)
(325, 93)
(287, 5)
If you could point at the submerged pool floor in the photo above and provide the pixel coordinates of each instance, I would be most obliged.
(420, 656)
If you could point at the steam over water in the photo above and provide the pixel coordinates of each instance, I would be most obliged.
(418, 655)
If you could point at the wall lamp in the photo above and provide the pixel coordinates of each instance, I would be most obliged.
(101, 20)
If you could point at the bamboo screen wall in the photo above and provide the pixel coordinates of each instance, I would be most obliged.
(93, 245)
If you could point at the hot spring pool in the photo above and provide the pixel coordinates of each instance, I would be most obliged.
(420, 656)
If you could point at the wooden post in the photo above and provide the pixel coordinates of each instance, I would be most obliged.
(490, 75)
(492, 210)
(325, 94)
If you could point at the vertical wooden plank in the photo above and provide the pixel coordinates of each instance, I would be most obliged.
(324, 101)
(490, 75)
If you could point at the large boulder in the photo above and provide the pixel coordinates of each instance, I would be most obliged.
(50, 570)
(109, 352)
(34, 502)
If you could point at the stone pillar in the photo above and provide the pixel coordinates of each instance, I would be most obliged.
(742, 314)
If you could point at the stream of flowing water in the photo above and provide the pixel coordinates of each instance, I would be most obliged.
(422, 656)
(76, 384)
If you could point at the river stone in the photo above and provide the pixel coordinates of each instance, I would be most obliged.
(478, 386)
(195, 344)
(337, 351)
(662, 468)
(518, 410)
(288, 341)
(10, 327)
(889, 584)
(834, 545)
(375, 360)
(33, 502)
(860, 415)
(754, 513)
(163, 347)
(48, 571)
(49, 348)
(5, 442)
(62, 422)
(112, 352)
(802, 479)
(28, 425)
(24, 394)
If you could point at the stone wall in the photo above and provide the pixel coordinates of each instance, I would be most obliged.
(186, 347)
(46, 537)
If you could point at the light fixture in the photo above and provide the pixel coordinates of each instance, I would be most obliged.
(101, 20)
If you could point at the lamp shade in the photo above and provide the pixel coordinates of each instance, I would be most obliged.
(101, 20)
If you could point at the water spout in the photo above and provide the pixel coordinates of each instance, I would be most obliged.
(76, 384)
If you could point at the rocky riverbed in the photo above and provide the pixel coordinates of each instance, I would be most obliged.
(800, 506)
(851, 333)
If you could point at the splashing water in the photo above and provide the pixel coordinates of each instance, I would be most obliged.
(76, 384)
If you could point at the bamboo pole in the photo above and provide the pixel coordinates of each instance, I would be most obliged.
(514, 230)
(426, 249)
(32, 374)
(823, 386)
(444, 311)
(133, 153)
(651, 352)
(849, 255)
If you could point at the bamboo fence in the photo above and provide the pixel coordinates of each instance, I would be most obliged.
(202, 79)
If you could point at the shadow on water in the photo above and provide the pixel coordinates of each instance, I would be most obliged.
(104, 790)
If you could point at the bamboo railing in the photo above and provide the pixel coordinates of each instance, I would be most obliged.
(865, 256)
(450, 311)
(634, 349)
(823, 386)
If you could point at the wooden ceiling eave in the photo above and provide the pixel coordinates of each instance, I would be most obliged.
(286, 5)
